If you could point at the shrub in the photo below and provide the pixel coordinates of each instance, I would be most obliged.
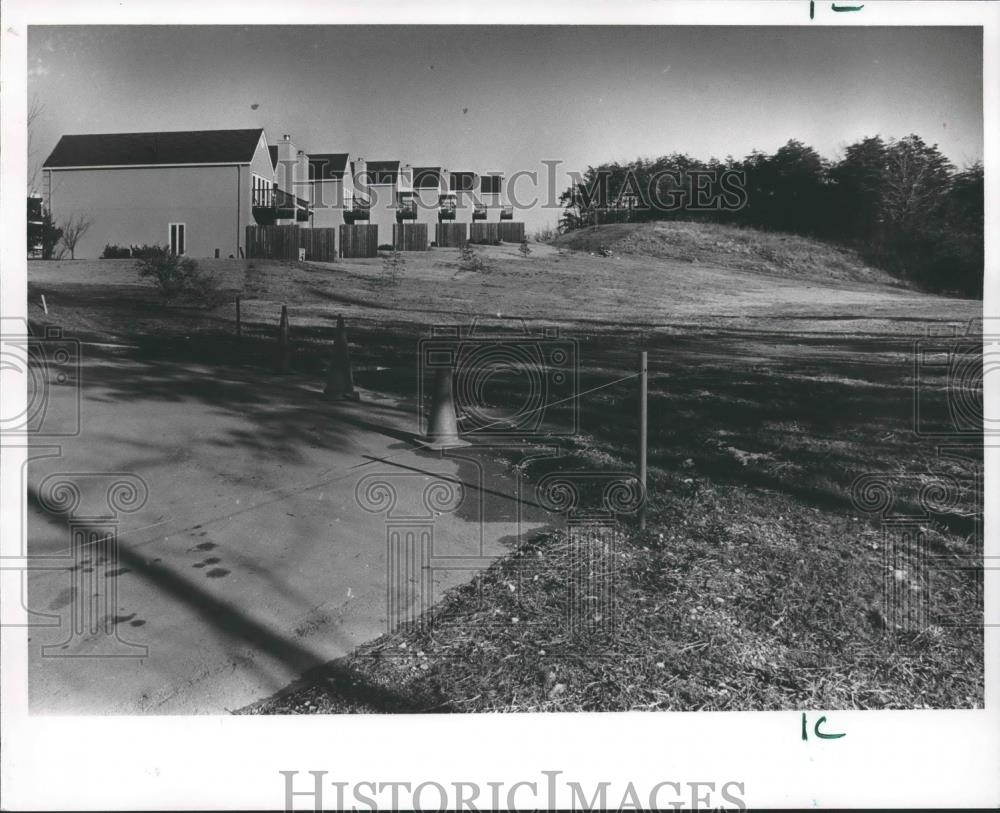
(115, 252)
(385, 247)
(470, 259)
(145, 251)
(175, 277)
(50, 238)
(546, 235)
(524, 248)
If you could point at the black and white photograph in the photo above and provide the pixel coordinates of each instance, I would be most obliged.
(364, 371)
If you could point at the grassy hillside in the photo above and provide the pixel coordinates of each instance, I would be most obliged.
(659, 277)
(746, 249)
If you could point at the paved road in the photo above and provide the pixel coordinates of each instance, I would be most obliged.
(261, 531)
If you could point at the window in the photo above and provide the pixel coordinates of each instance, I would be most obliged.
(490, 184)
(178, 238)
(463, 181)
(426, 178)
(261, 191)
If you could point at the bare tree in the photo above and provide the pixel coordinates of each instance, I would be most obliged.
(35, 109)
(72, 231)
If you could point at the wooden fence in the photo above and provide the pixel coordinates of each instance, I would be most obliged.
(511, 232)
(449, 235)
(359, 240)
(273, 242)
(284, 242)
(320, 244)
(409, 236)
(484, 232)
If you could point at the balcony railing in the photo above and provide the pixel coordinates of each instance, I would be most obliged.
(270, 204)
(357, 209)
(447, 204)
(406, 206)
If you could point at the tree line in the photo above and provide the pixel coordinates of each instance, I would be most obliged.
(899, 202)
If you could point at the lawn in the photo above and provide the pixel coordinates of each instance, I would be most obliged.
(781, 371)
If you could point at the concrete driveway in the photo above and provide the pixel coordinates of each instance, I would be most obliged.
(261, 531)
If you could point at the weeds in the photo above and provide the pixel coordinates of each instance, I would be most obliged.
(545, 235)
(176, 278)
(393, 264)
(471, 260)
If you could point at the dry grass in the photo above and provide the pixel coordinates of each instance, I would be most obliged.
(736, 247)
(709, 614)
(781, 370)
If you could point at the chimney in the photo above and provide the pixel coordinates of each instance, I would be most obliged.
(360, 176)
(287, 159)
(302, 175)
(405, 181)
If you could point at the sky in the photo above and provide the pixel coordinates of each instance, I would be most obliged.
(506, 98)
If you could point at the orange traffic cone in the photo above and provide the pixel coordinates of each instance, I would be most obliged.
(283, 348)
(442, 428)
(339, 378)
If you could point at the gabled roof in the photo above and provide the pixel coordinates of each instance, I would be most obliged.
(426, 177)
(325, 166)
(383, 166)
(377, 172)
(272, 150)
(133, 149)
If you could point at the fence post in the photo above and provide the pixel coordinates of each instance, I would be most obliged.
(642, 437)
(283, 341)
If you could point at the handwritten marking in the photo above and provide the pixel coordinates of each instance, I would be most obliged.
(820, 734)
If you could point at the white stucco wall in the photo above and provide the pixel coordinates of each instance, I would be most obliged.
(383, 210)
(136, 205)
(427, 208)
(327, 204)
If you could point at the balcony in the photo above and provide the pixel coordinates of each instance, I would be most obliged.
(447, 204)
(357, 209)
(406, 206)
(270, 205)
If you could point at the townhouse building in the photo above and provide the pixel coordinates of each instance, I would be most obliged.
(194, 191)
(197, 191)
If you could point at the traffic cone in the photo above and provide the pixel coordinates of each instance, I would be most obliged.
(442, 428)
(283, 349)
(339, 378)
